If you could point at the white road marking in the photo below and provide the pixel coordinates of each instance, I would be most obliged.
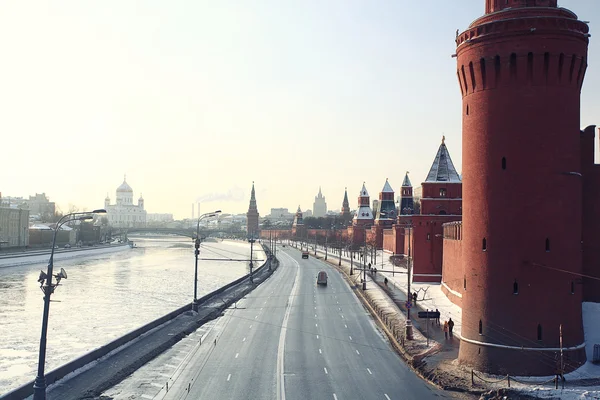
(236, 355)
(369, 371)
(158, 385)
(244, 339)
(228, 377)
(282, 333)
(340, 308)
(387, 397)
(320, 352)
(165, 376)
(345, 326)
(325, 370)
(170, 366)
(342, 315)
(317, 336)
(315, 315)
(250, 326)
(350, 337)
(357, 352)
(145, 396)
(261, 309)
(255, 316)
(334, 397)
(316, 324)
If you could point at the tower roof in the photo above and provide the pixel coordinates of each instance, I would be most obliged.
(387, 188)
(442, 169)
(363, 191)
(345, 202)
(125, 186)
(406, 181)
(252, 195)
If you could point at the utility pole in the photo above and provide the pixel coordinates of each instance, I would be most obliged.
(315, 242)
(340, 260)
(409, 328)
(251, 253)
(364, 285)
(562, 364)
(326, 246)
(351, 262)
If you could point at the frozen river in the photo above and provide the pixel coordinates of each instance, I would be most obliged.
(104, 297)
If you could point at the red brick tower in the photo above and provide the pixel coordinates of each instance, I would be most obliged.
(346, 205)
(252, 216)
(363, 219)
(520, 70)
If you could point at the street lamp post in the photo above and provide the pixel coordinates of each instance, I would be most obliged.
(197, 253)
(39, 385)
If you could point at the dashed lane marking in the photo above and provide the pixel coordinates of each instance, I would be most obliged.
(316, 324)
(350, 337)
(334, 397)
(369, 371)
(236, 355)
(325, 371)
(170, 366)
(250, 326)
(228, 377)
(345, 326)
(145, 396)
(386, 396)
(357, 352)
(244, 339)
(317, 336)
(158, 385)
(320, 352)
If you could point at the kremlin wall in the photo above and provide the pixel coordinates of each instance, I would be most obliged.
(513, 241)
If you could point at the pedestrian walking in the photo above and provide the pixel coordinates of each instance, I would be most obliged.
(446, 329)
(450, 326)
(437, 317)
(385, 281)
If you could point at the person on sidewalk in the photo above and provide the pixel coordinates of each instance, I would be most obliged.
(450, 326)
(437, 317)
(446, 329)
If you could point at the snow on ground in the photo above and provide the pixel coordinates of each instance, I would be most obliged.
(35, 258)
(434, 299)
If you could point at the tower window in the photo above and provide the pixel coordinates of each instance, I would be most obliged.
(464, 76)
(503, 162)
(472, 72)
(529, 67)
(561, 62)
(546, 65)
(516, 287)
(539, 332)
(573, 60)
(467, 109)
(484, 245)
(497, 69)
(480, 327)
(572, 287)
(547, 245)
(465, 283)
(428, 237)
(483, 73)
(442, 192)
(513, 66)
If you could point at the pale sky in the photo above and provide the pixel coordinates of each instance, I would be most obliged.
(194, 100)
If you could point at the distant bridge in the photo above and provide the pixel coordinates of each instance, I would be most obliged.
(187, 232)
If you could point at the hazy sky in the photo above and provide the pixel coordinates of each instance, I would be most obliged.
(196, 99)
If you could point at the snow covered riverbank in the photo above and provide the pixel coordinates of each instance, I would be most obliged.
(37, 257)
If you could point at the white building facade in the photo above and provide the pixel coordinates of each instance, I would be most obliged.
(125, 214)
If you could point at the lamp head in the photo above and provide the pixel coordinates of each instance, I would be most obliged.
(99, 211)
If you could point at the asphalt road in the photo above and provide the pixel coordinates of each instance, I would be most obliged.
(289, 339)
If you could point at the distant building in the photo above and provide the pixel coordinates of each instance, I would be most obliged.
(125, 214)
(40, 205)
(252, 216)
(308, 213)
(346, 205)
(14, 227)
(280, 214)
(319, 206)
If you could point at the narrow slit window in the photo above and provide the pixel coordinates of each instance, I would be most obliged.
(497, 69)
(580, 70)
(428, 236)
(472, 72)
(530, 68)
(513, 66)
(572, 287)
(442, 192)
(573, 60)
(483, 73)
(539, 332)
(503, 162)
(484, 245)
(480, 327)
(465, 283)
(561, 63)
(462, 92)
(467, 109)
(546, 65)
(464, 76)
(547, 245)
(516, 287)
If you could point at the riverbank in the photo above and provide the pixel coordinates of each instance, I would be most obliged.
(42, 256)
